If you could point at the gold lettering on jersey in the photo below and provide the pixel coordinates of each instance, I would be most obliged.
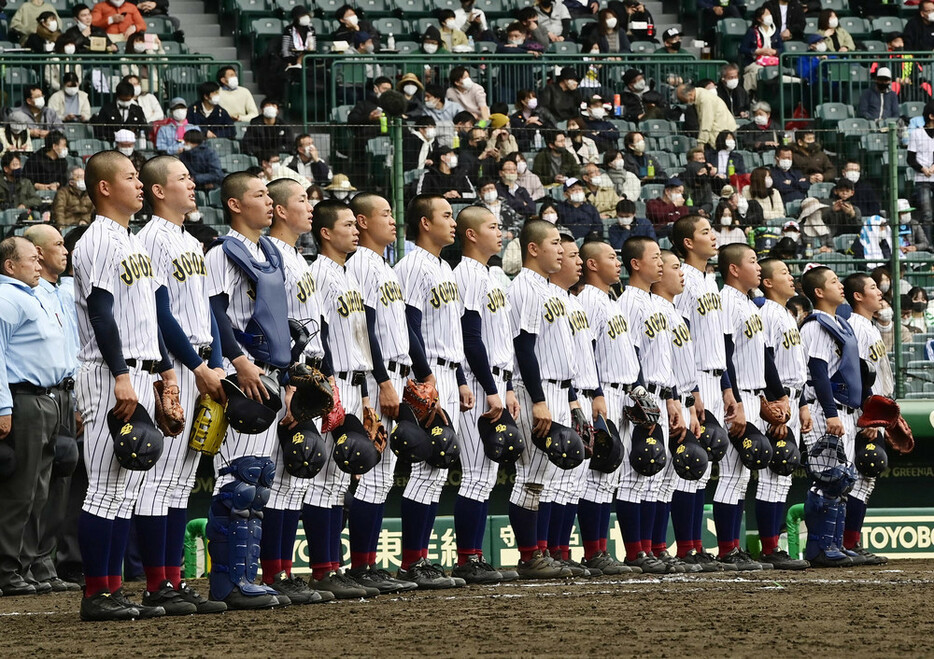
(187, 265)
(579, 322)
(752, 326)
(495, 300)
(390, 292)
(251, 291)
(554, 309)
(135, 267)
(708, 302)
(443, 293)
(655, 324)
(791, 338)
(877, 351)
(681, 335)
(616, 326)
(306, 287)
(350, 302)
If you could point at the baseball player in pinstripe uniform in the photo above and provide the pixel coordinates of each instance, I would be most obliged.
(389, 348)
(120, 350)
(783, 342)
(572, 483)
(865, 298)
(693, 240)
(432, 307)
(637, 508)
(186, 321)
(488, 371)
(618, 368)
(291, 217)
(544, 349)
(685, 379)
(231, 291)
(344, 335)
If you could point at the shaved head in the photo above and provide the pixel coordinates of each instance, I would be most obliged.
(234, 186)
(471, 218)
(155, 172)
(731, 255)
(592, 249)
(102, 166)
(282, 189)
(534, 231)
(768, 267)
(364, 203)
(41, 235)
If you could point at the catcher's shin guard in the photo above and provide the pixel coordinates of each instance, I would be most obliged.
(229, 532)
(820, 516)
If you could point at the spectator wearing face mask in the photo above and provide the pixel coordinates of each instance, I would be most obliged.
(628, 225)
(791, 184)
(16, 191)
(414, 92)
(69, 102)
(748, 211)
(125, 143)
(120, 114)
(208, 115)
(606, 33)
(911, 236)
(631, 99)
(349, 23)
(580, 144)
(237, 100)
(554, 18)
(761, 47)
(843, 216)
(669, 208)
(48, 169)
(810, 159)
(884, 322)
(700, 180)
(730, 90)
(72, 204)
(152, 107)
(671, 42)
(727, 227)
(554, 163)
(637, 161)
(47, 32)
(268, 132)
(561, 100)
(920, 319)
(81, 32)
(713, 115)
(625, 183)
(724, 159)
(25, 20)
(308, 162)
(299, 38)
(791, 231)
(418, 143)
(811, 221)
(866, 197)
(761, 189)
(880, 104)
(526, 121)
(454, 40)
(14, 136)
(171, 136)
(578, 214)
(527, 178)
(762, 133)
(599, 191)
(603, 132)
(471, 20)
(489, 198)
(40, 119)
(118, 17)
(468, 94)
(513, 194)
(445, 177)
(202, 161)
(919, 30)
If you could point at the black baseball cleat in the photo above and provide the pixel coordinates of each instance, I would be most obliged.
(541, 566)
(237, 601)
(871, 559)
(61, 586)
(858, 559)
(606, 564)
(384, 576)
(648, 564)
(145, 612)
(18, 586)
(741, 561)
(781, 560)
(675, 565)
(706, 561)
(283, 585)
(831, 558)
(379, 579)
(169, 599)
(426, 576)
(477, 571)
(204, 606)
(42, 587)
(102, 607)
(341, 586)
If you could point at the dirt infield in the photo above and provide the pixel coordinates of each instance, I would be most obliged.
(854, 612)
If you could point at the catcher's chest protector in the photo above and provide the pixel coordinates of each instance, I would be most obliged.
(847, 382)
(266, 336)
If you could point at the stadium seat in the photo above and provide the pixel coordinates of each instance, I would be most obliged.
(87, 146)
(885, 24)
(859, 28)
(840, 7)
(579, 25)
(246, 13)
(419, 26)
(912, 109)
(223, 146)
(873, 142)
(810, 25)
(844, 241)
(329, 6)
(388, 25)
(160, 26)
(262, 30)
(374, 8)
(821, 190)
(564, 48)
(10, 216)
(414, 8)
(494, 8)
(659, 127)
(730, 33)
(406, 47)
(641, 48)
(681, 143)
(237, 162)
(795, 47)
(77, 131)
(651, 191)
(214, 197)
(873, 46)
(828, 114)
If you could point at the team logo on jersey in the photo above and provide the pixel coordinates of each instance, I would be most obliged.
(443, 293)
(298, 438)
(437, 430)
(341, 439)
(350, 302)
(708, 302)
(126, 429)
(791, 338)
(554, 309)
(781, 443)
(495, 300)
(651, 441)
(616, 326)
(187, 265)
(655, 324)
(877, 351)
(390, 292)
(752, 326)
(135, 267)
(306, 287)
(681, 335)
(747, 443)
(579, 322)
(681, 449)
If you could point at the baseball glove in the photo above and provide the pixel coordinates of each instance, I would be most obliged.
(644, 409)
(375, 429)
(584, 428)
(313, 393)
(422, 397)
(899, 436)
(170, 417)
(773, 412)
(879, 412)
(335, 416)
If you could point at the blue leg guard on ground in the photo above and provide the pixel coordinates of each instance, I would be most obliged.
(820, 516)
(266, 477)
(840, 526)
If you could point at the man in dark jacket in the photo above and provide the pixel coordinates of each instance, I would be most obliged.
(418, 143)
(794, 25)
(308, 163)
(576, 213)
(554, 163)
(791, 184)
(762, 133)
(513, 194)
(267, 132)
(16, 191)
(631, 98)
(561, 101)
(919, 30)
(730, 89)
(880, 103)
(364, 124)
(809, 157)
(628, 225)
(120, 114)
(48, 169)
(446, 178)
(477, 156)
(202, 161)
(669, 208)
(208, 114)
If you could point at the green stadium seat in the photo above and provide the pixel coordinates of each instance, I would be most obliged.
(872, 46)
(873, 142)
(681, 143)
(406, 47)
(494, 8)
(564, 48)
(795, 47)
(214, 197)
(389, 25)
(375, 8)
(752, 5)
(659, 127)
(651, 191)
(810, 25)
(329, 6)
(10, 216)
(414, 8)
(237, 162)
(830, 113)
(885, 24)
(730, 33)
(844, 241)
(77, 131)
(340, 114)
(821, 190)
(840, 7)
(419, 26)
(912, 109)
(174, 48)
(262, 31)
(859, 28)
(159, 25)
(287, 5)
(246, 13)
(641, 48)
(486, 47)
(88, 146)
(224, 146)
(579, 25)
(435, 5)
(201, 200)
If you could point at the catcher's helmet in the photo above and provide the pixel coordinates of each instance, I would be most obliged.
(562, 445)
(408, 440)
(648, 456)
(208, 427)
(755, 451)
(354, 452)
(445, 446)
(785, 455)
(689, 458)
(828, 467)
(66, 453)
(871, 458)
(608, 448)
(713, 437)
(247, 416)
(502, 442)
(7, 459)
(137, 442)
(303, 450)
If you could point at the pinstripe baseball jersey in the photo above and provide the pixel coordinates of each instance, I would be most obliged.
(428, 285)
(538, 307)
(111, 258)
(341, 304)
(650, 334)
(301, 291)
(872, 349)
(179, 259)
(614, 352)
(382, 292)
(225, 277)
(742, 321)
(585, 363)
(682, 348)
(700, 303)
(480, 291)
(782, 335)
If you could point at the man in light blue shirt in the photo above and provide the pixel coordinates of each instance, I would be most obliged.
(51, 531)
(34, 365)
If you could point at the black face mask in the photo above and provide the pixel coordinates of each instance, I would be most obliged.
(882, 86)
(675, 45)
(481, 145)
(919, 306)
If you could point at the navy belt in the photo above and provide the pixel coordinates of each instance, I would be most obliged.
(401, 369)
(355, 378)
(662, 392)
(28, 388)
(148, 365)
(716, 372)
(564, 384)
(590, 393)
(497, 371)
(447, 363)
